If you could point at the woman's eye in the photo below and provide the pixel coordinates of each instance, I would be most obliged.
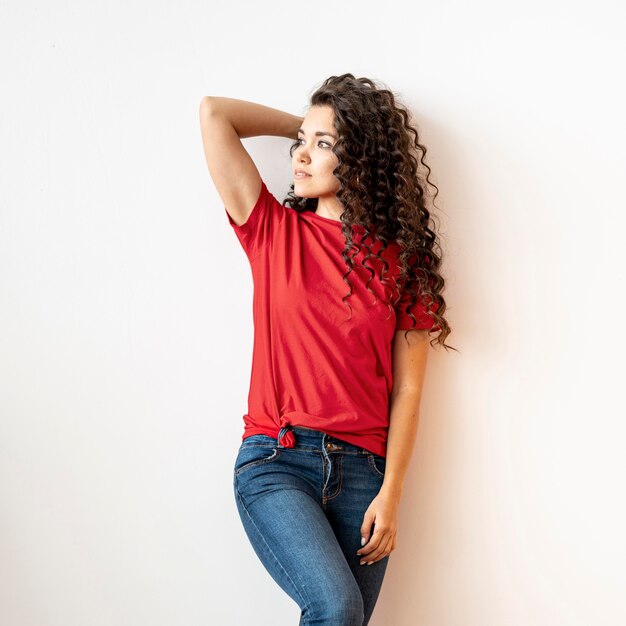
(297, 142)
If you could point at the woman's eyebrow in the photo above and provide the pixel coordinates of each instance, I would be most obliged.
(319, 133)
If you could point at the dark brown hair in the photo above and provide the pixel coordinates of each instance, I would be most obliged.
(383, 190)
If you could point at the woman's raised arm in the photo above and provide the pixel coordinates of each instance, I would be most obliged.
(224, 122)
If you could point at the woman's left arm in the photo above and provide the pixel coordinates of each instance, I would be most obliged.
(410, 356)
(409, 366)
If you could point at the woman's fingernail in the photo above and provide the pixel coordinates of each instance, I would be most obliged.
(362, 541)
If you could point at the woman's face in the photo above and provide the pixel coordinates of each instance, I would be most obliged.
(314, 155)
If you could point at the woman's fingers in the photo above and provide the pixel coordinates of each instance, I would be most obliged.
(382, 550)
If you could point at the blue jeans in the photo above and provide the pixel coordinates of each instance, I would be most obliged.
(302, 509)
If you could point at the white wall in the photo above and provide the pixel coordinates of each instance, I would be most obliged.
(126, 322)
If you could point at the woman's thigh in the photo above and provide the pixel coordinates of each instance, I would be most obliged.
(277, 498)
(357, 481)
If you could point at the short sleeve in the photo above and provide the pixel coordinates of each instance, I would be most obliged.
(258, 230)
(423, 320)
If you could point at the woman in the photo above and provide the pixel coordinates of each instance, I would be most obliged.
(336, 375)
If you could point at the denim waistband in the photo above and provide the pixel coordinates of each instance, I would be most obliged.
(311, 438)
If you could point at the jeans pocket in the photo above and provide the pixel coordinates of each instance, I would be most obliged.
(377, 464)
(255, 450)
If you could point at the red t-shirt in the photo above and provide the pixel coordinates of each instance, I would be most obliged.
(311, 365)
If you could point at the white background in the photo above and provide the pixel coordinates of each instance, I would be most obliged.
(126, 317)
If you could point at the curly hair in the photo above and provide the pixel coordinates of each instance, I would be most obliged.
(382, 192)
